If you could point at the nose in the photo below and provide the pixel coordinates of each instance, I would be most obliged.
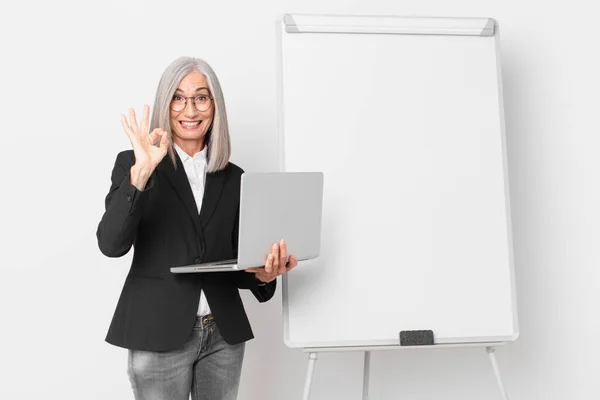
(190, 109)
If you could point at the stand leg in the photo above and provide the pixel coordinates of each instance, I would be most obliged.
(312, 359)
(491, 352)
(366, 371)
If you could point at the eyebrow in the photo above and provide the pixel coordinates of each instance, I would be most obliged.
(197, 90)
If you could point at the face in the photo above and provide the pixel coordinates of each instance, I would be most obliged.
(189, 124)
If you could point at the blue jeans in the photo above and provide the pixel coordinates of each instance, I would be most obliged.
(205, 366)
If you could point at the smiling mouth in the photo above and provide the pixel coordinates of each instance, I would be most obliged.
(190, 124)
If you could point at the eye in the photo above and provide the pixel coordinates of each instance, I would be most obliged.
(178, 98)
(202, 98)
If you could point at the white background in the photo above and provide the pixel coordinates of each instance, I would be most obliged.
(70, 68)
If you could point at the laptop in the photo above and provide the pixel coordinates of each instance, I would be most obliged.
(273, 206)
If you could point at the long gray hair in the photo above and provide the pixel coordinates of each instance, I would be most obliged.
(217, 136)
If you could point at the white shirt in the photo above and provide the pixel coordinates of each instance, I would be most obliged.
(195, 169)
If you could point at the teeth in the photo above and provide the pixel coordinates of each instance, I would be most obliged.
(185, 123)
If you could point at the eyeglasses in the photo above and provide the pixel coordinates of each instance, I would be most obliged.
(202, 102)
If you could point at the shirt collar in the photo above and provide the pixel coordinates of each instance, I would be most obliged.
(198, 157)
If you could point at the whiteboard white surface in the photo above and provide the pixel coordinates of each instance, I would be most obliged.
(408, 131)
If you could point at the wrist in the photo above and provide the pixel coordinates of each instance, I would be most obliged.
(139, 176)
(143, 169)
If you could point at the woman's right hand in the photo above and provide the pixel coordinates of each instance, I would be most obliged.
(147, 155)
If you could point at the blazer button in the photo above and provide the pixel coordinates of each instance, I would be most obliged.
(197, 260)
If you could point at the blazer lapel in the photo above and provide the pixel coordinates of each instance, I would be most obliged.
(212, 193)
(180, 183)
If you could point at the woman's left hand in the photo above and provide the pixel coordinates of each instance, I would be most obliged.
(276, 263)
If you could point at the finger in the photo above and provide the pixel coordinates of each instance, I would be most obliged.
(292, 263)
(132, 138)
(126, 126)
(132, 121)
(269, 264)
(282, 256)
(145, 118)
(159, 138)
(164, 141)
(275, 254)
(154, 135)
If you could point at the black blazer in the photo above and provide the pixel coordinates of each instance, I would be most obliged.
(157, 309)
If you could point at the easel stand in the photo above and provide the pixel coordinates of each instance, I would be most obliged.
(312, 359)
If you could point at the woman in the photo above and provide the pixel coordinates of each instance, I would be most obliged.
(185, 332)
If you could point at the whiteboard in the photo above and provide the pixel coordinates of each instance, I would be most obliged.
(404, 117)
